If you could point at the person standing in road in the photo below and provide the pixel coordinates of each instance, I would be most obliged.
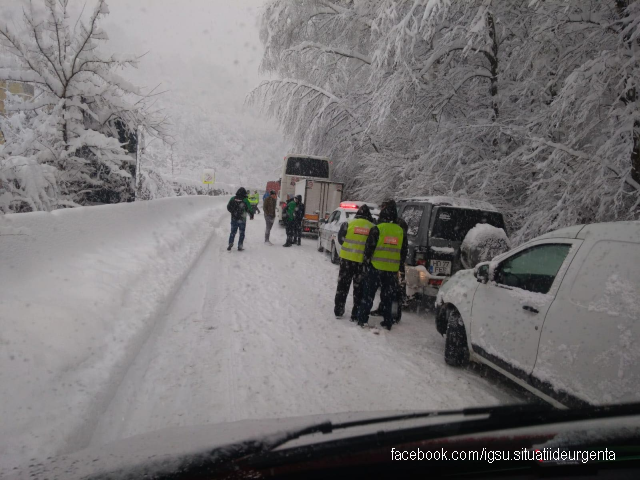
(352, 237)
(402, 286)
(254, 200)
(290, 220)
(238, 207)
(298, 218)
(385, 250)
(269, 208)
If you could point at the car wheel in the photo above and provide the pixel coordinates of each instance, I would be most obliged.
(456, 349)
(335, 259)
(320, 247)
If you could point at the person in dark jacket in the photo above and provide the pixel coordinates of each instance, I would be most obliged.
(269, 208)
(352, 237)
(402, 287)
(239, 207)
(289, 220)
(297, 221)
(385, 250)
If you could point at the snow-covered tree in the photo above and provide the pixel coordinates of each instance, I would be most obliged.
(530, 105)
(82, 120)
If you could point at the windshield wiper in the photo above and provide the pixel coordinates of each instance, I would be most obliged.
(491, 418)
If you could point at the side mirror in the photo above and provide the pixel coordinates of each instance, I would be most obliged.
(482, 273)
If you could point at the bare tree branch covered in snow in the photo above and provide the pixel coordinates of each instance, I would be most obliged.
(530, 105)
(81, 123)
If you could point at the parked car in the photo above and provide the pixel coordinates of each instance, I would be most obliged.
(328, 236)
(559, 315)
(437, 229)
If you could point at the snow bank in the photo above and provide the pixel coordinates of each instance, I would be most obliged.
(80, 290)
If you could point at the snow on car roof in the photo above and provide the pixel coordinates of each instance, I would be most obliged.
(621, 231)
(456, 202)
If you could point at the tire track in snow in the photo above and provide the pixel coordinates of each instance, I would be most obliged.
(268, 346)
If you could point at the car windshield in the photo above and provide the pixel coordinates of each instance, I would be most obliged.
(180, 258)
(454, 223)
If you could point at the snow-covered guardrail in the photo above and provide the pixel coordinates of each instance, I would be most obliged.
(80, 291)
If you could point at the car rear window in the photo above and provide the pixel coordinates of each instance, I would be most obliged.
(413, 216)
(454, 223)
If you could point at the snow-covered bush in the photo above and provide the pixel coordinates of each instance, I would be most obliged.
(26, 185)
(81, 123)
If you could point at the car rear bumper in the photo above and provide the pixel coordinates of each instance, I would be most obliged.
(420, 281)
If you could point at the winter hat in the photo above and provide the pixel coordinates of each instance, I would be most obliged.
(272, 192)
(365, 213)
(389, 212)
(241, 193)
(299, 197)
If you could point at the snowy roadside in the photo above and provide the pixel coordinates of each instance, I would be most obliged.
(80, 290)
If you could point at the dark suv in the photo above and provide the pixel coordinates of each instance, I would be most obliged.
(437, 227)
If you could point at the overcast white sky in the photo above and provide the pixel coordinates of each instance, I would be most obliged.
(221, 32)
(205, 54)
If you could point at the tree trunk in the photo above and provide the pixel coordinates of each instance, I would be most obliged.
(635, 153)
(493, 60)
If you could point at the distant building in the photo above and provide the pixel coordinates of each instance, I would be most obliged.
(16, 88)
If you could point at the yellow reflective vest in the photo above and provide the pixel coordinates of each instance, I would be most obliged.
(353, 246)
(254, 198)
(386, 256)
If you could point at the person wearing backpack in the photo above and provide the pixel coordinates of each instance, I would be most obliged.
(238, 207)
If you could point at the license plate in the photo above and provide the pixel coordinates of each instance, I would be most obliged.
(439, 267)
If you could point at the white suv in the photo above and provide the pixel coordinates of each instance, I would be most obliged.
(560, 315)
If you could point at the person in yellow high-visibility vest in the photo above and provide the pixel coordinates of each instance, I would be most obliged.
(384, 252)
(352, 237)
(254, 200)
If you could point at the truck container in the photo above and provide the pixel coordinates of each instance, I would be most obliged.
(320, 198)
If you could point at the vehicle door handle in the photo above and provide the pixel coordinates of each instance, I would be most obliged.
(530, 309)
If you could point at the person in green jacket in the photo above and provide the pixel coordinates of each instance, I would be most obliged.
(254, 200)
(289, 220)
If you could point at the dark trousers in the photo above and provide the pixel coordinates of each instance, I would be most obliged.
(349, 271)
(297, 231)
(290, 230)
(235, 226)
(269, 221)
(388, 284)
(402, 298)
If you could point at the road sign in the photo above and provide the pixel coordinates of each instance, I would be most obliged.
(208, 176)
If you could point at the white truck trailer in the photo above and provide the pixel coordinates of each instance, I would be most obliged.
(320, 198)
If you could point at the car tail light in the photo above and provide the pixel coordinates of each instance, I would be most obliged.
(435, 282)
(421, 259)
(348, 205)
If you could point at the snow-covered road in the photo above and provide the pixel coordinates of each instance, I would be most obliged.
(252, 335)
